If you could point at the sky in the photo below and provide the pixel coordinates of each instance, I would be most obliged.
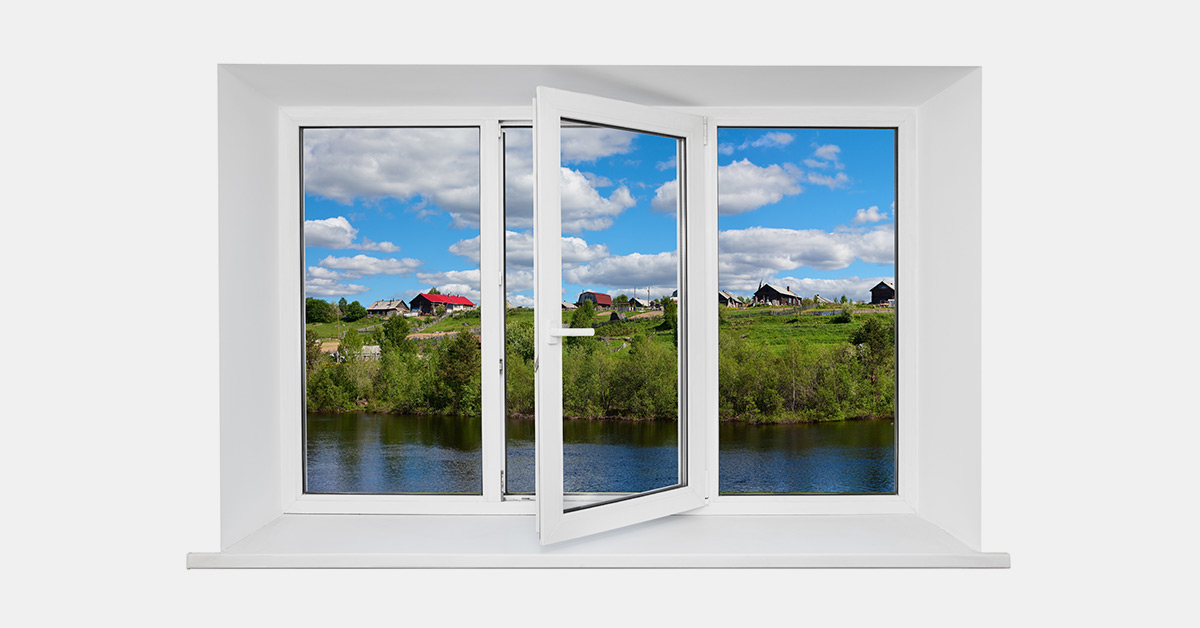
(391, 212)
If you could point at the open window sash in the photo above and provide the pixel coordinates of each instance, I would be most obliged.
(555, 520)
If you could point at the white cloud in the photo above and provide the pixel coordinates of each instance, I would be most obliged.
(833, 183)
(520, 300)
(364, 265)
(518, 249)
(320, 282)
(582, 205)
(741, 187)
(825, 156)
(438, 165)
(669, 164)
(627, 272)
(336, 233)
(585, 208)
(828, 152)
(870, 214)
(725, 149)
(592, 143)
(769, 140)
(748, 256)
(456, 282)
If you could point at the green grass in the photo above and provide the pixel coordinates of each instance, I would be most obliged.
(334, 330)
(761, 327)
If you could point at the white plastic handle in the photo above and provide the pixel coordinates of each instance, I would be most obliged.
(555, 334)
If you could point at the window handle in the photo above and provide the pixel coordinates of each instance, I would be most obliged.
(555, 334)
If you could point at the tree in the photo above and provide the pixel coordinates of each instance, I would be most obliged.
(395, 336)
(350, 349)
(319, 311)
(312, 350)
(843, 299)
(353, 312)
(582, 318)
(621, 299)
(342, 304)
(671, 316)
(432, 290)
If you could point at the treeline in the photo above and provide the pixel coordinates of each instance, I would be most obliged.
(809, 381)
(443, 379)
(616, 378)
(322, 311)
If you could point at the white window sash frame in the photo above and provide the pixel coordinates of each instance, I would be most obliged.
(552, 108)
(704, 329)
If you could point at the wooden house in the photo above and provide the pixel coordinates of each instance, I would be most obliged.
(390, 307)
(882, 293)
(768, 294)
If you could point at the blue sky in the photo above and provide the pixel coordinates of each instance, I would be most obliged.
(391, 212)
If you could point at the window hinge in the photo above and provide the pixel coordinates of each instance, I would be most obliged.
(502, 367)
(502, 483)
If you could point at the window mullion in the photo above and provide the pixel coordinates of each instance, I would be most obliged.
(492, 304)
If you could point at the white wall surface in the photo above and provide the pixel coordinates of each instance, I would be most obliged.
(110, 464)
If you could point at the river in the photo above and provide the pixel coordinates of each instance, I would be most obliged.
(381, 453)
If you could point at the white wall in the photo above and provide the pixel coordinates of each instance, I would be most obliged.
(110, 462)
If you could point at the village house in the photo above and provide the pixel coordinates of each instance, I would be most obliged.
(569, 306)
(641, 304)
(882, 293)
(390, 307)
(768, 294)
(425, 303)
(727, 299)
(820, 300)
(599, 300)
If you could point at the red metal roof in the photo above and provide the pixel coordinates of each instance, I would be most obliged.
(443, 298)
(601, 299)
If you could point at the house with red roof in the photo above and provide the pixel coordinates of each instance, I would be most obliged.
(599, 300)
(425, 303)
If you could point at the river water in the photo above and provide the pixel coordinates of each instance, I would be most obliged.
(381, 453)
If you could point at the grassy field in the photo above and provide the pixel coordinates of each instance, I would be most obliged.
(770, 327)
(773, 327)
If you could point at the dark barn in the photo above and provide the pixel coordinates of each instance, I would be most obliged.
(768, 294)
(882, 293)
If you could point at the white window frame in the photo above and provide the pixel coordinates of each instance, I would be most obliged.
(938, 456)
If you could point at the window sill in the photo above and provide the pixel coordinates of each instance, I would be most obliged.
(438, 541)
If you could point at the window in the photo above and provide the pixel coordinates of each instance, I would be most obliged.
(936, 460)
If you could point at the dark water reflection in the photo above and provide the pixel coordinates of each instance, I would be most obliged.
(372, 453)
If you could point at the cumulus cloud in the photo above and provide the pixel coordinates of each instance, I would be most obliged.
(669, 164)
(833, 183)
(870, 214)
(518, 249)
(458, 282)
(321, 282)
(636, 270)
(772, 139)
(825, 156)
(336, 233)
(364, 265)
(592, 143)
(520, 300)
(750, 255)
(741, 187)
(439, 166)
(583, 206)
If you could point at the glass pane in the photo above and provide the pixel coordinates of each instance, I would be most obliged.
(620, 237)
(391, 282)
(620, 277)
(807, 263)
